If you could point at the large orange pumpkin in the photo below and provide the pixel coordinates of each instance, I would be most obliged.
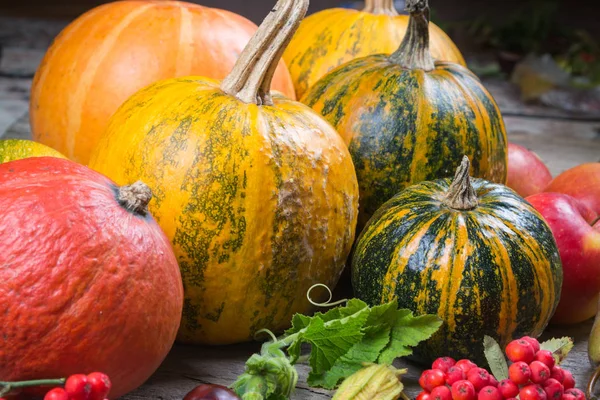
(88, 280)
(257, 193)
(114, 50)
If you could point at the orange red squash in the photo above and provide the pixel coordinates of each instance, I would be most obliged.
(88, 280)
(112, 51)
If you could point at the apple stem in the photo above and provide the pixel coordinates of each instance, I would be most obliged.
(596, 221)
(7, 387)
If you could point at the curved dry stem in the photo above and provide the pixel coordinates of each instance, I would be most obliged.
(413, 52)
(461, 194)
(380, 7)
(592, 383)
(251, 77)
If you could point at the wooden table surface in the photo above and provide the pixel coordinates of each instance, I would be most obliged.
(562, 141)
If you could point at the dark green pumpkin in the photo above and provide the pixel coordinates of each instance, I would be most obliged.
(474, 253)
(407, 120)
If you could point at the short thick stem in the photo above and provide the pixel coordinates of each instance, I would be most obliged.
(7, 387)
(135, 197)
(461, 195)
(413, 52)
(381, 7)
(251, 77)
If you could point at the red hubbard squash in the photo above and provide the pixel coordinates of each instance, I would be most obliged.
(112, 51)
(88, 280)
(257, 193)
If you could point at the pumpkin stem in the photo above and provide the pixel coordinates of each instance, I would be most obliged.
(251, 76)
(135, 197)
(380, 7)
(461, 195)
(413, 52)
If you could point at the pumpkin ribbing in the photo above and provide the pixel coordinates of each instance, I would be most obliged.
(332, 37)
(493, 269)
(404, 124)
(256, 192)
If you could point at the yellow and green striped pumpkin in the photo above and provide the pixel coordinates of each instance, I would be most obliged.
(16, 149)
(473, 252)
(406, 120)
(258, 194)
(332, 37)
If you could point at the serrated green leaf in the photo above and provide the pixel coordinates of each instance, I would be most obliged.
(560, 347)
(408, 331)
(495, 358)
(330, 341)
(367, 350)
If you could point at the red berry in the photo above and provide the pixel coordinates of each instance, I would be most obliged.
(579, 395)
(557, 373)
(519, 373)
(532, 392)
(568, 396)
(422, 378)
(520, 350)
(56, 394)
(493, 381)
(568, 382)
(508, 388)
(463, 390)
(539, 372)
(455, 374)
(443, 363)
(78, 387)
(465, 365)
(489, 393)
(433, 379)
(423, 396)
(546, 357)
(479, 377)
(554, 390)
(441, 393)
(100, 385)
(533, 342)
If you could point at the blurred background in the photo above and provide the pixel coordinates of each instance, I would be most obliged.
(547, 50)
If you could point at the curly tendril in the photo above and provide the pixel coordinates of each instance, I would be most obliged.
(268, 332)
(327, 303)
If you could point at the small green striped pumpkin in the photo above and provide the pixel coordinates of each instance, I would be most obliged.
(473, 252)
(407, 119)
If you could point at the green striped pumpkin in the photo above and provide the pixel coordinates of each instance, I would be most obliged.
(407, 120)
(473, 252)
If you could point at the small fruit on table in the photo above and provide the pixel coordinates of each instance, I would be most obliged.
(211, 392)
(579, 247)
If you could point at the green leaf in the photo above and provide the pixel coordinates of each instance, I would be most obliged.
(333, 339)
(560, 347)
(367, 350)
(408, 331)
(495, 358)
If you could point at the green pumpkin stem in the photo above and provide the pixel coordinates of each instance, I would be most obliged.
(413, 52)
(135, 197)
(380, 7)
(251, 76)
(461, 194)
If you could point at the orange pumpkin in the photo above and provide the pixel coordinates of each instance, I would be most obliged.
(112, 51)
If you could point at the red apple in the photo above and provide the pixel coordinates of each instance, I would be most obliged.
(579, 247)
(527, 173)
(581, 182)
